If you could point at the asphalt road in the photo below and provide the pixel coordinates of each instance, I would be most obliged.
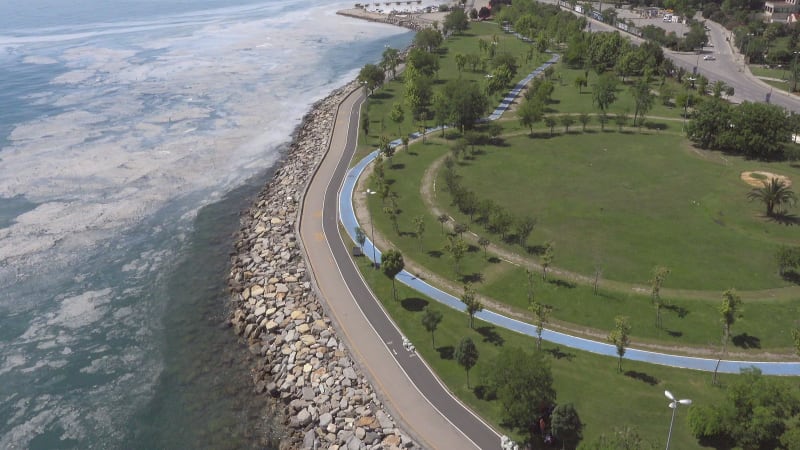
(727, 67)
(414, 395)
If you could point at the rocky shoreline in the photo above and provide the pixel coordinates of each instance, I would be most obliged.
(275, 310)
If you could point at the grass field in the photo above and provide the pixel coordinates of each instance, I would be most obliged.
(621, 201)
(690, 321)
(603, 397)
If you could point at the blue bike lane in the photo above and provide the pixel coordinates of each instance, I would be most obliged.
(348, 219)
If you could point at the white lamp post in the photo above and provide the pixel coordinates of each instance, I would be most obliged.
(372, 233)
(674, 405)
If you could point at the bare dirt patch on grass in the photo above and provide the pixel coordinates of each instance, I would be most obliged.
(757, 178)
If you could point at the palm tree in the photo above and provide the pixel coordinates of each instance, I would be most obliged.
(774, 194)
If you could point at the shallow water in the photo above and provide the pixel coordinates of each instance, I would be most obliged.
(120, 120)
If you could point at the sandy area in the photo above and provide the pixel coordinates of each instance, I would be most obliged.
(758, 181)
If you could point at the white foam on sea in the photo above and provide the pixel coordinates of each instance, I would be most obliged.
(146, 113)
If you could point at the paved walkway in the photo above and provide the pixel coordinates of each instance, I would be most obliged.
(349, 221)
(421, 404)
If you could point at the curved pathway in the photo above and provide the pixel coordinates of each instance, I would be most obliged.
(349, 221)
(416, 397)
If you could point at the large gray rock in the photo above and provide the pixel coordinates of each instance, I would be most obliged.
(325, 419)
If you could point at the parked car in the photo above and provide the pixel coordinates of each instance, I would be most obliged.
(709, 58)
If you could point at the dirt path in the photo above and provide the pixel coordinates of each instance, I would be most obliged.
(428, 193)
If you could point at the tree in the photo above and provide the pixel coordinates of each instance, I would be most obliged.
(530, 112)
(774, 194)
(580, 82)
(621, 119)
(472, 137)
(360, 237)
(419, 229)
(390, 60)
(584, 119)
(620, 337)
(530, 277)
(483, 242)
(523, 384)
(365, 125)
(371, 76)
(604, 93)
(431, 319)
(457, 249)
(461, 103)
(626, 438)
(642, 98)
(566, 425)
(397, 115)
(755, 414)
(473, 304)
(656, 282)
(550, 122)
(467, 355)
(567, 121)
(392, 213)
(442, 218)
(709, 122)
(460, 229)
(391, 264)
(757, 130)
(547, 258)
(730, 310)
(428, 38)
(456, 20)
(524, 228)
(541, 315)
(386, 149)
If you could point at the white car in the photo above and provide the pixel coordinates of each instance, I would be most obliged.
(709, 58)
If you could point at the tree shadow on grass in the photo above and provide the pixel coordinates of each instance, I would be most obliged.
(472, 248)
(557, 353)
(679, 310)
(641, 376)
(494, 259)
(446, 352)
(537, 249)
(484, 392)
(655, 126)
(435, 254)
(561, 283)
(674, 333)
(475, 277)
(381, 96)
(784, 219)
(490, 335)
(791, 276)
(414, 304)
(744, 340)
(398, 166)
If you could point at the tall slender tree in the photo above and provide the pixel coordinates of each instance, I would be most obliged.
(541, 315)
(620, 337)
(391, 264)
(457, 249)
(419, 229)
(431, 319)
(656, 282)
(473, 304)
(467, 355)
(729, 310)
(442, 218)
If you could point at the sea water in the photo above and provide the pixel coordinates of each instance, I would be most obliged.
(132, 133)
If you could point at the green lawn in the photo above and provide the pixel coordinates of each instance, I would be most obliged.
(603, 397)
(381, 102)
(630, 203)
(691, 321)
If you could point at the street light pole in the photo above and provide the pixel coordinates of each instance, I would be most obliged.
(372, 234)
(674, 405)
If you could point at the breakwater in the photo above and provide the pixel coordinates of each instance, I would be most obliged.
(301, 363)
